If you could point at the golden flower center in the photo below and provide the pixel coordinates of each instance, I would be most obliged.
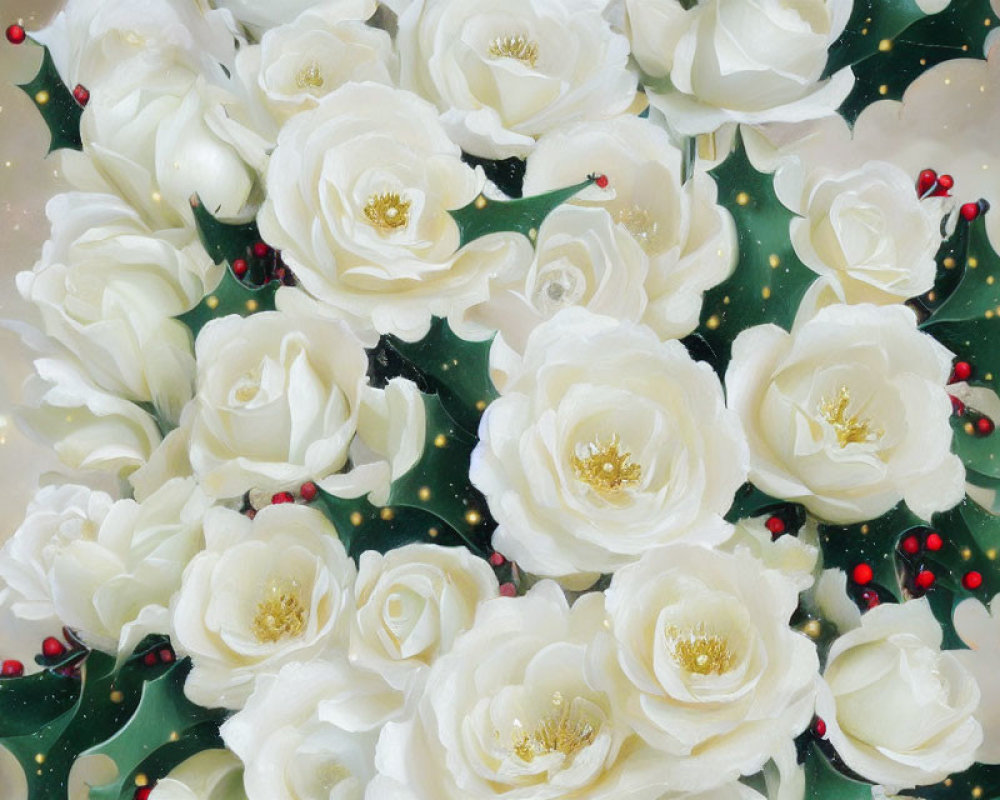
(850, 428)
(560, 732)
(517, 47)
(640, 223)
(387, 211)
(606, 468)
(309, 77)
(280, 613)
(700, 652)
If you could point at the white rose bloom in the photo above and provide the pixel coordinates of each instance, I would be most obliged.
(358, 194)
(702, 661)
(208, 775)
(739, 61)
(88, 428)
(868, 235)
(604, 443)
(979, 628)
(509, 713)
(795, 557)
(263, 593)
(284, 399)
(689, 239)
(411, 604)
(260, 15)
(898, 710)
(323, 48)
(848, 414)
(110, 574)
(502, 77)
(107, 288)
(290, 737)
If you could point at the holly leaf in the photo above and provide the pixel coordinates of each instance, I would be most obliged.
(56, 104)
(971, 541)
(823, 782)
(231, 296)
(957, 32)
(483, 216)
(456, 369)
(871, 29)
(984, 777)
(769, 280)
(507, 173)
(165, 729)
(227, 241)
(978, 453)
(28, 702)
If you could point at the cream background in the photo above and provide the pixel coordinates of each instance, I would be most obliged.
(27, 180)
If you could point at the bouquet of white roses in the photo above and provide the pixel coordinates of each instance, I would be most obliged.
(522, 399)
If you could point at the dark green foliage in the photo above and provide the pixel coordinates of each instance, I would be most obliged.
(507, 173)
(872, 22)
(229, 297)
(60, 110)
(823, 782)
(225, 242)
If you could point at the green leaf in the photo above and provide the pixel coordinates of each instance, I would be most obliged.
(959, 786)
(978, 453)
(957, 32)
(872, 23)
(769, 280)
(27, 703)
(752, 502)
(483, 216)
(225, 241)
(455, 368)
(823, 782)
(165, 729)
(56, 104)
(230, 297)
(507, 173)
(971, 542)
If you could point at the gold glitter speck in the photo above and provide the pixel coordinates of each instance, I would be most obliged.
(280, 612)
(742, 199)
(713, 322)
(42, 97)
(517, 47)
(212, 301)
(356, 518)
(606, 469)
(387, 211)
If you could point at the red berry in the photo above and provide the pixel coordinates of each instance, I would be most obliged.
(970, 211)
(819, 727)
(150, 659)
(15, 34)
(962, 371)
(167, 655)
(81, 95)
(870, 596)
(52, 647)
(972, 580)
(260, 249)
(776, 525)
(910, 545)
(602, 181)
(11, 669)
(240, 267)
(862, 574)
(933, 541)
(282, 497)
(508, 589)
(925, 181)
(945, 182)
(497, 560)
(925, 579)
(985, 426)
(957, 406)
(308, 490)
(143, 793)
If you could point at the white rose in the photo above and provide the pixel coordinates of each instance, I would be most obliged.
(739, 61)
(794, 556)
(208, 775)
(848, 413)
(154, 133)
(581, 258)
(259, 15)
(979, 628)
(898, 710)
(411, 604)
(88, 428)
(323, 48)
(358, 194)
(289, 738)
(690, 239)
(283, 399)
(107, 288)
(702, 661)
(509, 713)
(868, 235)
(263, 593)
(604, 443)
(501, 79)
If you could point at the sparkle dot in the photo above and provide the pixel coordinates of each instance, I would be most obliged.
(742, 199)
(774, 261)
(141, 779)
(885, 45)
(480, 202)
(532, 233)
(969, 428)
(991, 554)
(966, 553)
(156, 197)
(174, 736)
(987, 22)
(713, 322)
(480, 405)
(923, 62)
(977, 791)
(990, 280)
(725, 300)
(864, 530)
(424, 493)
(989, 314)
(988, 376)
(387, 514)
(212, 301)
(931, 296)
(473, 517)
(440, 440)
(251, 305)
(356, 518)
(39, 758)
(812, 629)
(117, 696)
(947, 81)
(433, 532)
(948, 781)
(949, 263)
(973, 263)
(864, 31)
(42, 97)
(766, 292)
(883, 89)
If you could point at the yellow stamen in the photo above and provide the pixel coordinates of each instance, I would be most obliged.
(387, 211)
(309, 77)
(280, 613)
(517, 47)
(559, 733)
(849, 429)
(700, 652)
(605, 468)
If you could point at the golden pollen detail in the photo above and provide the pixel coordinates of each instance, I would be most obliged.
(309, 77)
(640, 223)
(700, 652)
(554, 734)
(517, 47)
(606, 468)
(387, 211)
(850, 429)
(280, 613)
